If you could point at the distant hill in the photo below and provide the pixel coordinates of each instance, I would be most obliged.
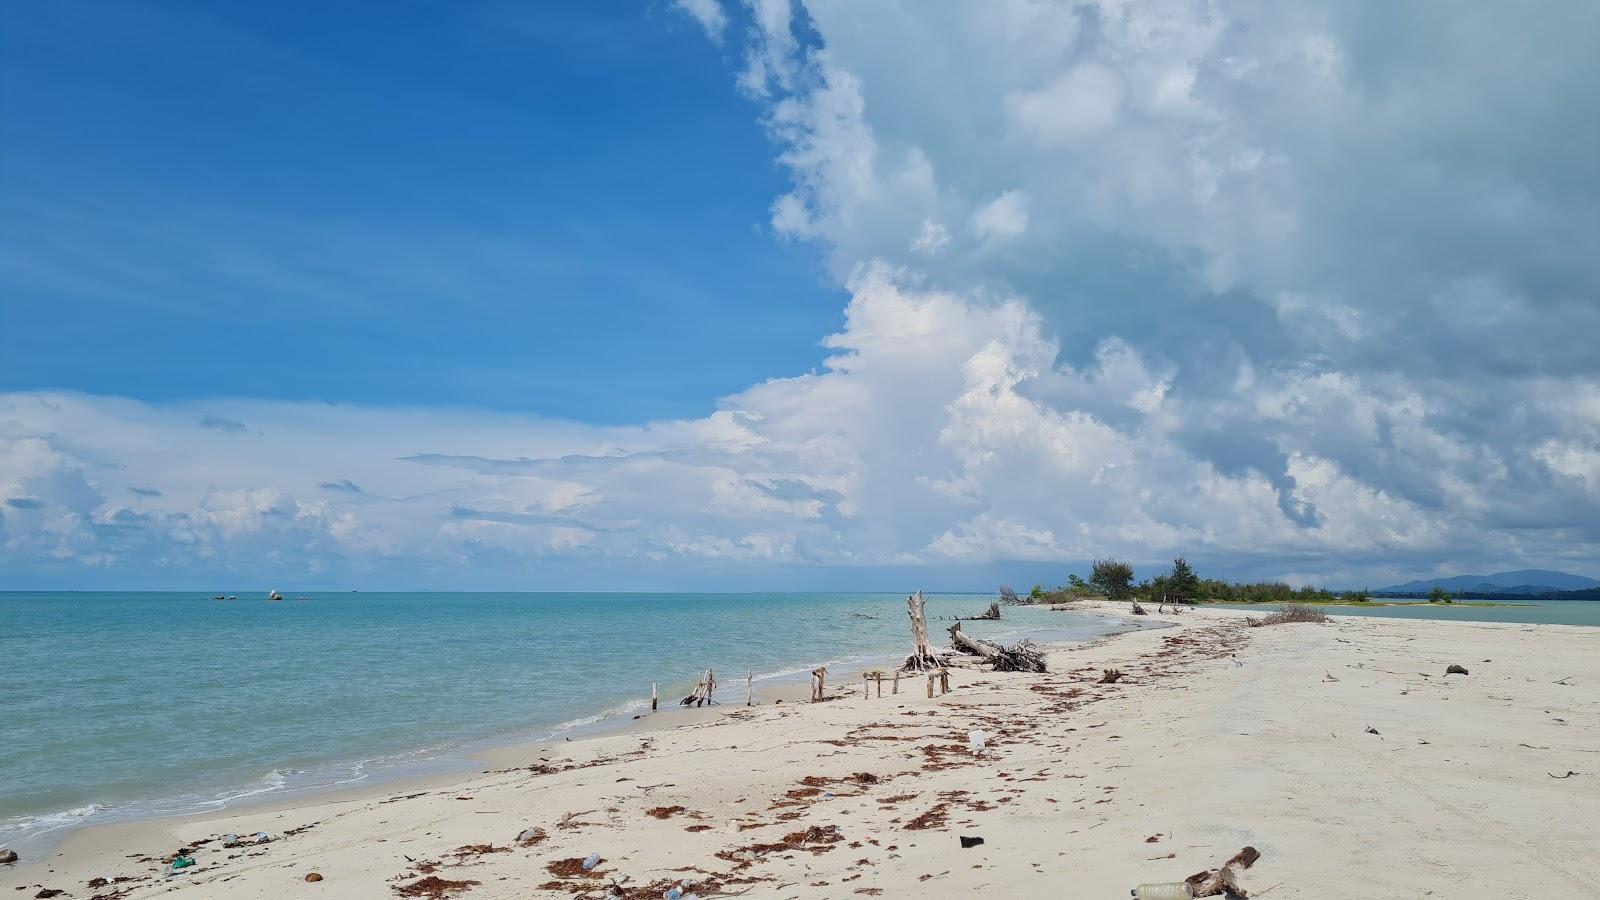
(1522, 581)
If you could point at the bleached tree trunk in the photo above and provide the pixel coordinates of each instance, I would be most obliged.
(922, 657)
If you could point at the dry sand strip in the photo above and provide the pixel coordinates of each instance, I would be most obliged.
(1341, 751)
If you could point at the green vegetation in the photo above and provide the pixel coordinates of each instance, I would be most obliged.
(1113, 579)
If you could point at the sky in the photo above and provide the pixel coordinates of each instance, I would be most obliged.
(795, 294)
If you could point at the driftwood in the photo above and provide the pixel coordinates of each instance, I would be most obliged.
(1224, 880)
(1139, 610)
(819, 677)
(701, 696)
(921, 658)
(1009, 597)
(1023, 657)
(989, 615)
(1111, 676)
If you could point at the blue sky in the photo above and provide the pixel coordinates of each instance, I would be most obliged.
(735, 294)
(556, 208)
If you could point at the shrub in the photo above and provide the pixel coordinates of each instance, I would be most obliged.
(1290, 612)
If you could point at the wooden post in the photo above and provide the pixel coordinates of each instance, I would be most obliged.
(896, 682)
(749, 687)
(944, 681)
(879, 678)
(819, 677)
(866, 686)
(930, 685)
(653, 696)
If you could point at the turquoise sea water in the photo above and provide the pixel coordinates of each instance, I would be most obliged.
(1547, 612)
(119, 706)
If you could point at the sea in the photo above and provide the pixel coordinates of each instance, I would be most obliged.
(125, 706)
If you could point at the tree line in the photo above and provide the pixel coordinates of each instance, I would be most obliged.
(1114, 579)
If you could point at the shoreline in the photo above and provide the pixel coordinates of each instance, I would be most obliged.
(1331, 748)
(463, 760)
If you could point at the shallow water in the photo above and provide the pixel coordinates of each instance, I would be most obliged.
(1545, 612)
(132, 705)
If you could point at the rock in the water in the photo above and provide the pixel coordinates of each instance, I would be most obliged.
(1456, 670)
(7, 857)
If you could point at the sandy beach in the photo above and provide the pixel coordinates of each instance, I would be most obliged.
(1341, 751)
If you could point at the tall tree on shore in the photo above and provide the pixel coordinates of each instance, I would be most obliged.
(1112, 577)
(1182, 583)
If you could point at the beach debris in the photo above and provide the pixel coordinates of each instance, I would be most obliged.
(921, 658)
(590, 861)
(527, 837)
(1213, 882)
(182, 862)
(230, 840)
(1111, 676)
(1169, 890)
(45, 893)
(7, 857)
(968, 842)
(434, 888)
(1371, 730)
(1455, 670)
(1139, 610)
(976, 739)
(1022, 657)
(313, 876)
(989, 615)
(1569, 774)
(263, 838)
(703, 689)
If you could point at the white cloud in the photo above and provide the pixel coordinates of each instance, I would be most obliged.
(945, 427)
(709, 13)
(932, 239)
(1078, 105)
(1003, 218)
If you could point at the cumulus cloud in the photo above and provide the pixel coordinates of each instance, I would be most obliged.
(945, 428)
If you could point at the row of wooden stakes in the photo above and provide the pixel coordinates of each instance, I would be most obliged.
(938, 683)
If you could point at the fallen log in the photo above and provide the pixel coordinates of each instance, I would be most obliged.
(1022, 657)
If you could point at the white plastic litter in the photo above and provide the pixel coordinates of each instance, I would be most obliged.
(591, 862)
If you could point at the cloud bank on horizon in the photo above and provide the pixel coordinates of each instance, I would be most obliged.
(1305, 292)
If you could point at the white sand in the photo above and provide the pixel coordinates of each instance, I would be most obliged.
(1230, 736)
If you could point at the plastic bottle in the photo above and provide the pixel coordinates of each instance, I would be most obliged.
(1171, 890)
(591, 862)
